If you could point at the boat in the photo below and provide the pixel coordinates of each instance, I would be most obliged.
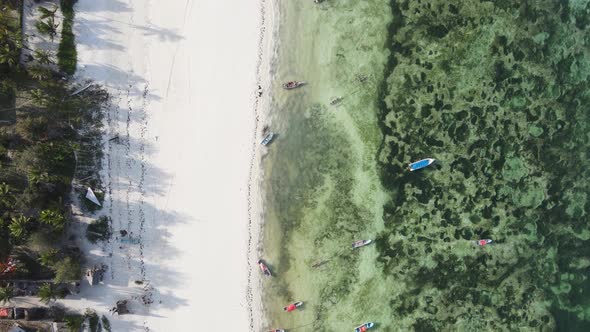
(129, 240)
(264, 268)
(421, 164)
(292, 306)
(360, 243)
(364, 327)
(292, 85)
(267, 139)
(336, 100)
(483, 242)
(278, 330)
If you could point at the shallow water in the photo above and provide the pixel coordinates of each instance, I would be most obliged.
(498, 94)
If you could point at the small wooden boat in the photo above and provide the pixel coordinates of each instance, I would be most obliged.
(292, 85)
(421, 164)
(360, 243)
(267, 139)
(264, 268)
(292, 306)
(482, 242)
(364, 327)
(336, 100)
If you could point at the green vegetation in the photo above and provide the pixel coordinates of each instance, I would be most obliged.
(49, 292)
(74, 323)
(46, 25)
(99, 230)
(93, 320)
(39, 140)
(106, 325)
(6, 294)
(67, 269)
(66, 54)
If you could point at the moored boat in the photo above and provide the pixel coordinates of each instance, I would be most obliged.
(364, 327)
(360, 243)
(292, 306)
(292, 85)
(268, 138)
(336, 100)
(421, 164)
(278, 330)
(483, 242)
(264, 268)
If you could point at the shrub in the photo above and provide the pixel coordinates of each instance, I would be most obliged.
(67, 269)
(48, 292)
(67, 54)
(99, 230)
(74, 322)
(18, 227)
(105, 323)
(53, 218)
(93, 320)
(6, 294)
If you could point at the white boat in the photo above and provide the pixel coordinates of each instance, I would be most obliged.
(360, 243)
(267, 139)
(364, 327)
(483, 242)
(292, 85)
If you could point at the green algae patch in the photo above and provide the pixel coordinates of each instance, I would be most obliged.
(535, 131)
(497, 92)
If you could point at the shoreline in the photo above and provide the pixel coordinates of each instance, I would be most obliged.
(268, 44)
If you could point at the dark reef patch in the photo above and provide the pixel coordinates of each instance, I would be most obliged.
(498, 93)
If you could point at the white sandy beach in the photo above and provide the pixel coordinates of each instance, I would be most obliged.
(183, 76)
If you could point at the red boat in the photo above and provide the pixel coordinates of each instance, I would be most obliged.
(292, 306)
(264, 268)
(483, 242)
(292, 85)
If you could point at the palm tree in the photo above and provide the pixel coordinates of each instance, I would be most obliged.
(6, 197)
(39, 73)
(18, 227)
(74, 323)
(6, 294)
(39, 97)
(48, 28)
(48, 258)
(48, 292)
(47, 13)
(8, 56)
(43, 57)
(53, 218)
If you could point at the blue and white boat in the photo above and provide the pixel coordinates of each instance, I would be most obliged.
(421, 164)
(267, 139)
(364, 327)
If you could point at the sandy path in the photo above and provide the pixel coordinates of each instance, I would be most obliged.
(182, 76)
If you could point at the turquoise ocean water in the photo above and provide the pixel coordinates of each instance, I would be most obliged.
(497, 92)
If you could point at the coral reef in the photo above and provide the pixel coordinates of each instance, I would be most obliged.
(498, 92)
